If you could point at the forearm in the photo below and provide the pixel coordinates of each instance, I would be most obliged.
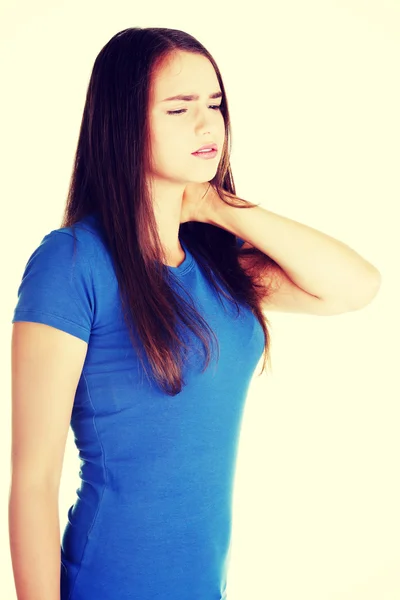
(319, 264)
(34, 530)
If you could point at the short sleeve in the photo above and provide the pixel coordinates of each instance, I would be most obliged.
(56, 287)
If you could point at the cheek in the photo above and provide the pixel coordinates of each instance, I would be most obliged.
(171, 139)
(166, 133)
(169, 151)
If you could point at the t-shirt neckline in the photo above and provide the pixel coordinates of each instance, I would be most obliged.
(180, 270)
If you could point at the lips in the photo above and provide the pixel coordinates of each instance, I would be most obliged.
(207, 147)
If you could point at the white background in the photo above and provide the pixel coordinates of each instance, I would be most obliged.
(314, 93)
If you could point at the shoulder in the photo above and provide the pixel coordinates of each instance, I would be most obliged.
(79, 243)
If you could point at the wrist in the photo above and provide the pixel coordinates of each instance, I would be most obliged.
(220, 213)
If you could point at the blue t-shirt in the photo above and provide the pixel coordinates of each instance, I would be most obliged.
(152, 516)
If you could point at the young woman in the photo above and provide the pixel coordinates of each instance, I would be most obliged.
(147, 268)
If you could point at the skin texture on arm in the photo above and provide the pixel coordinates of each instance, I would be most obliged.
(34, 528)
(46, 367)
(316, 273)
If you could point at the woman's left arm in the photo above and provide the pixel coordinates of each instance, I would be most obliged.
(317, 263)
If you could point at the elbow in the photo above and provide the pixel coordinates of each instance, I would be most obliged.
(365, 294)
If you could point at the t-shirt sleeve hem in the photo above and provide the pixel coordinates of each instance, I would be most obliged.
(54, 321)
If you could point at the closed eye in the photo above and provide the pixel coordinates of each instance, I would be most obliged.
(182, 110)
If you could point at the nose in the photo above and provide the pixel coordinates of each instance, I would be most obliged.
(205, 118)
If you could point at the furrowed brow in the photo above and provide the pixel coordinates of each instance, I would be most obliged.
(191, 97)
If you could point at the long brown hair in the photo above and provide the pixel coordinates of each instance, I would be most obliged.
(108, 179)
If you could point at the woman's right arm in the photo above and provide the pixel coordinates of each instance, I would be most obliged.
(46, 368)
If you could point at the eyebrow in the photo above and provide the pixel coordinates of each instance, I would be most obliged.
(191, 97)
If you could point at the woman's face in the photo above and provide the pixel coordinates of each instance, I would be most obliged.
(198, 122)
